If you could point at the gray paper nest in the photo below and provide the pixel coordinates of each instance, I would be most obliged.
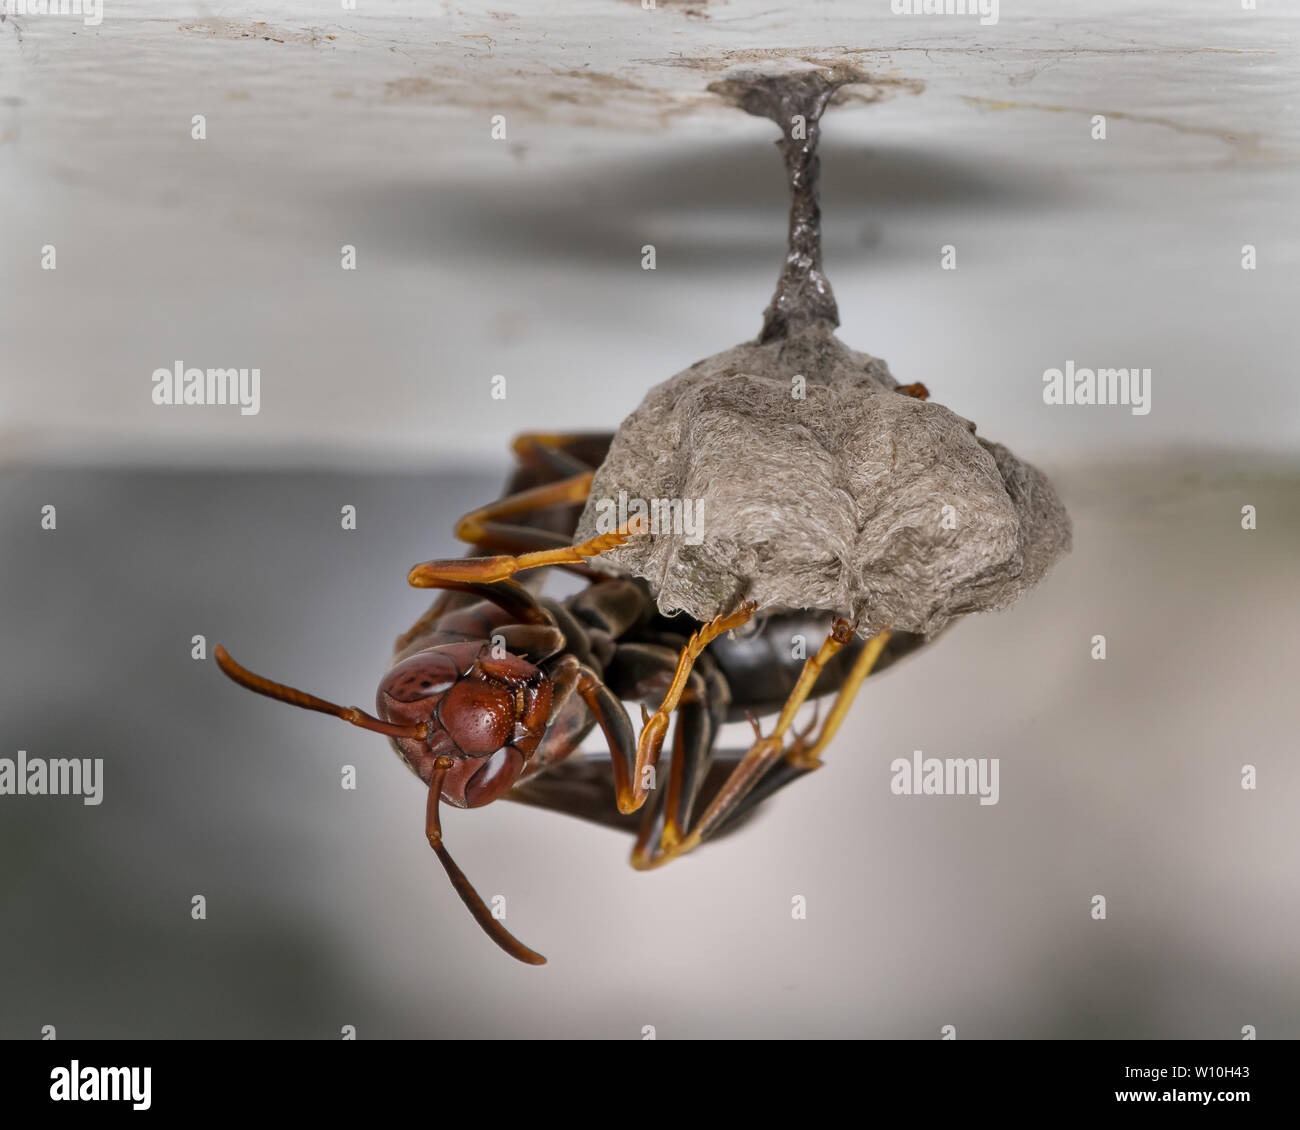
(855, 499)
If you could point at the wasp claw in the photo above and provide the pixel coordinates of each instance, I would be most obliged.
(801, 736)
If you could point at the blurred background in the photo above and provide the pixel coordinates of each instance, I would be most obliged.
(522, 257)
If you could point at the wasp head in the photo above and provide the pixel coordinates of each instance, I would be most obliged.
(484, 708)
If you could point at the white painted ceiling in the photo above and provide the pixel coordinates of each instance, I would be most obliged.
(521, 257)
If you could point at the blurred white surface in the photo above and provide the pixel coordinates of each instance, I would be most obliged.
(1119, 777)
(522, 257)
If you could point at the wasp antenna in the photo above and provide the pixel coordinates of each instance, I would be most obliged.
(468, 895)
(281, 693)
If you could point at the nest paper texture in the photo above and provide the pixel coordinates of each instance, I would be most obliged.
(853, 498)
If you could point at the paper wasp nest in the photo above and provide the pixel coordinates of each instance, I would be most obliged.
(818, 484)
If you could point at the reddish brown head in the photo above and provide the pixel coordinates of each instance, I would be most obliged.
(466, 717)
(484, 708)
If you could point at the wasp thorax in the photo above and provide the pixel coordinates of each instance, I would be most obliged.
(485, 709)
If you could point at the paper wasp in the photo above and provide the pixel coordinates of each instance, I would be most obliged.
(492, 691)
